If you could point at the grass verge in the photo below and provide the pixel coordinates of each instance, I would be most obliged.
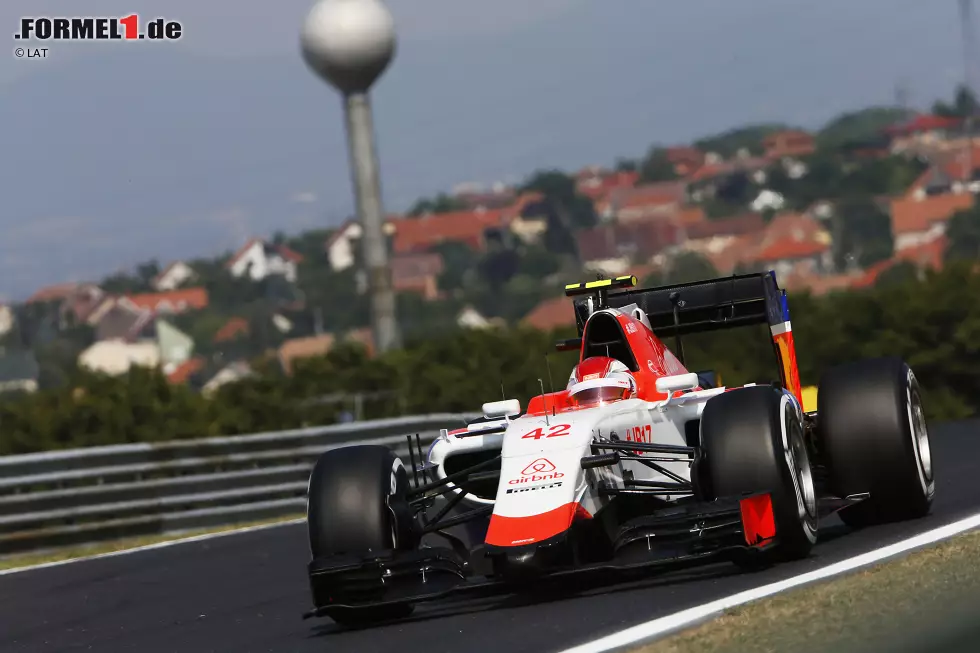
(114, 546)
(889, 607)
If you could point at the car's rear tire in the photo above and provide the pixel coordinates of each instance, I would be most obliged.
(752, 442)
(874, 435)
(350, 510)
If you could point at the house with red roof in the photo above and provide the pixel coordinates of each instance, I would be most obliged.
(921, 218)
(55, 293)
(791, 143)
(258, 259)
(417, 273)
(713, 236)
(126, 316)
(470, 228)
(551, 314)
(644, 202)
(236, 327)
(182, 373)
(921, 131)
(521, 217)
(934, 180)
(685, 159)
(706, 180)
(961, 166)
(792, 243)
(172, 302)
(596, 182)
(612, 248)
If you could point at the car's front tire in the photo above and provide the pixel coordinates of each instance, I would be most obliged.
(873, 432)
(752, 442)
(350, 511)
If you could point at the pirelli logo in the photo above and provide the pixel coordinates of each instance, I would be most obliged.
(533, 488)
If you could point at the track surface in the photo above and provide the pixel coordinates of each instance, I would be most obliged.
(246, 593)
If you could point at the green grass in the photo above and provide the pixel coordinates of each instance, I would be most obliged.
(884, 608)
(84, 551)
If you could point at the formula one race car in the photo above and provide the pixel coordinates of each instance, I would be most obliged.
(637, 463)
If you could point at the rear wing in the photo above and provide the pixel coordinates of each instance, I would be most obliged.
(710, 305)
(722, 303)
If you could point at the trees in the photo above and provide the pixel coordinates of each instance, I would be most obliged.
(656, 166)
(685, 267)
(441, 203)
(933, 322)
(832, 175)
(856, 127)
(963, 236)
(576, 211)
(862, 231)
(964, 104)
(729, 142)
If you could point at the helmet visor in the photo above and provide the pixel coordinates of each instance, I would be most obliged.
(598, 396)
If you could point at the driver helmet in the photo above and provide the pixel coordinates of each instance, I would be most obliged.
(599, 380)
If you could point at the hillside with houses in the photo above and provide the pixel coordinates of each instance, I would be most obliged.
(873, 194)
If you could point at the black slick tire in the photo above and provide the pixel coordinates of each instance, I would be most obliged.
(872, 430)
(351, 510)
(752, 442)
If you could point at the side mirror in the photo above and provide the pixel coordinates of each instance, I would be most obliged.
(668, 385)
(572, 344)
(500, 409)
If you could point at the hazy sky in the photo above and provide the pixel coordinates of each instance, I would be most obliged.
(130, 151)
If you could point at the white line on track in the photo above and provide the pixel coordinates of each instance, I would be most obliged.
(151, 547)
(650, 630)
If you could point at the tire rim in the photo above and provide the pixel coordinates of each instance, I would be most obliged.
(920, 433)
(799, 462)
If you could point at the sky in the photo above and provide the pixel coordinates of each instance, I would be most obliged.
(126, 152)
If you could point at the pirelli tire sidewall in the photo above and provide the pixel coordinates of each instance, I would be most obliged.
(872, 430)
(752, 441)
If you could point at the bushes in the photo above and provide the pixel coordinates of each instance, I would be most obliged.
(933, 323)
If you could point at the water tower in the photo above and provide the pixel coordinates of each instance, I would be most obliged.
(349, 44)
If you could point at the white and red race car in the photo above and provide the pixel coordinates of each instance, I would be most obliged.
(636, 463)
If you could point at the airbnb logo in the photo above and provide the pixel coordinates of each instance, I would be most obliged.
(539, 466)
(541, 469)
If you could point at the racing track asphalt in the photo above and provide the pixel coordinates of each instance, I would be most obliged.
(246, 593)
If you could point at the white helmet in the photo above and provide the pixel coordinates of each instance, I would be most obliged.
(598, 380)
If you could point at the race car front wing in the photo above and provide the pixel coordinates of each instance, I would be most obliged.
(674, 537)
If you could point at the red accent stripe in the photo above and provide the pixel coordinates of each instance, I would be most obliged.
(458, 431)
(518, 531)
(758, 521)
